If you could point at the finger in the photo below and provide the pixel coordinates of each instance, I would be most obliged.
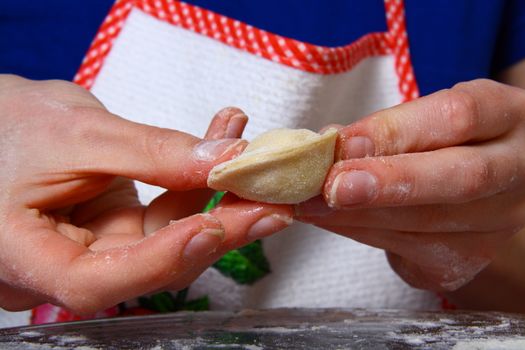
(243, 222)
(96, 280)
(104, 143)
(469, 112)
(117, 228)
(121, 193)
(449, 175)
(174, 206)
(246, 221)
(229, 122)
(77, 234)
(472, 216)
(174, 255)
(165, 208)
(451, 260)
(69, 274)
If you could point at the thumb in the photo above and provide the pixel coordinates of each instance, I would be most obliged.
(158, 156)
(114, 275)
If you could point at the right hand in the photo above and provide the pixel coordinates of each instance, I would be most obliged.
(72, 231)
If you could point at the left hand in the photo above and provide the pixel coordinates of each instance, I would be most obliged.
(439, 182)
(72, 231)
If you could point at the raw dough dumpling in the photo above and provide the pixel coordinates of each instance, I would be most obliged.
(280, 166)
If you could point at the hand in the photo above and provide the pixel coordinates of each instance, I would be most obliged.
(72, 231)
(438, 182)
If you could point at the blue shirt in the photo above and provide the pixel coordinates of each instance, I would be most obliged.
(450, 40)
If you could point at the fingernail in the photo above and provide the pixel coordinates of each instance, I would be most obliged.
(268, 225)
(357, 147)
(354, 187)
(204, 243)
(209, 150)
(315, 207)
(236, 125)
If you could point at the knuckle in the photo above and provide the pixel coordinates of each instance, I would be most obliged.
(388, 134)
(79, 125)
(480, 83)
(55, 84)
(459, 109)
(10, 85)
(157, 147)
(401, 191)
(57, 87)
(478, 177)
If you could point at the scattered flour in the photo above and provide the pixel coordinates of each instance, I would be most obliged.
(67, 339)
(495, 344)
(281, 330)
(30, 334)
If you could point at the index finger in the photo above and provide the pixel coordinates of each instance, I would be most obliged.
(103, 143)
(469, 112)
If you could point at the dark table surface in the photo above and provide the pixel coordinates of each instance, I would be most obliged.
(280, 329)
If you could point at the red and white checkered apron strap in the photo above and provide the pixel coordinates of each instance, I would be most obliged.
(287, 51)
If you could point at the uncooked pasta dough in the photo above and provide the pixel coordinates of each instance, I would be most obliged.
(280, 166)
